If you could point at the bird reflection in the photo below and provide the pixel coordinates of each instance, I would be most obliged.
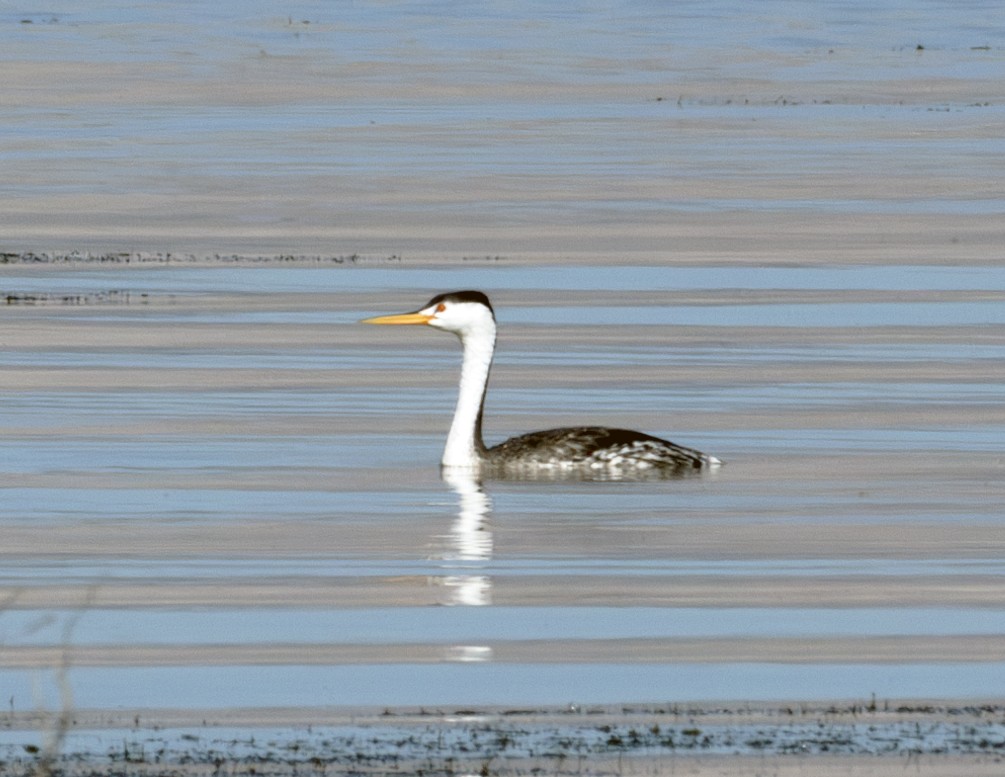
(468, 544)
(467, 551)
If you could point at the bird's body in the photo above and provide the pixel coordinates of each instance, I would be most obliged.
(592, 447)
(587, 450)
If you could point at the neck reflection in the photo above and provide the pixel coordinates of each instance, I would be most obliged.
(468, 544)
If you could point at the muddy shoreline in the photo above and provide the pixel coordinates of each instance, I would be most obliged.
(872, 737)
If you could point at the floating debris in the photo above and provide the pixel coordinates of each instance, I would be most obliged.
(110, 297)
(31, 257)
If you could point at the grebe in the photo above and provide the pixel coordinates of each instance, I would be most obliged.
(577, 449)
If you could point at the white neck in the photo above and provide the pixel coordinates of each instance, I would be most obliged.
(464, 442)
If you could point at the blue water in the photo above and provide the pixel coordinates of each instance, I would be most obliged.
(466, 684)
(182, 281)
(496, 93)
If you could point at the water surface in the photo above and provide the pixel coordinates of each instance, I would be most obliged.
(193, 492)
(770, 232)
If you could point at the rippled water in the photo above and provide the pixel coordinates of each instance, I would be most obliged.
(224, 492)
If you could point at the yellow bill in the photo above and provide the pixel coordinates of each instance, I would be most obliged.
(401, 319)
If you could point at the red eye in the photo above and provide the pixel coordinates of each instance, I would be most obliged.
(440, 308)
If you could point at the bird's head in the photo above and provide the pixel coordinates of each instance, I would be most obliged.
(462, 312)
